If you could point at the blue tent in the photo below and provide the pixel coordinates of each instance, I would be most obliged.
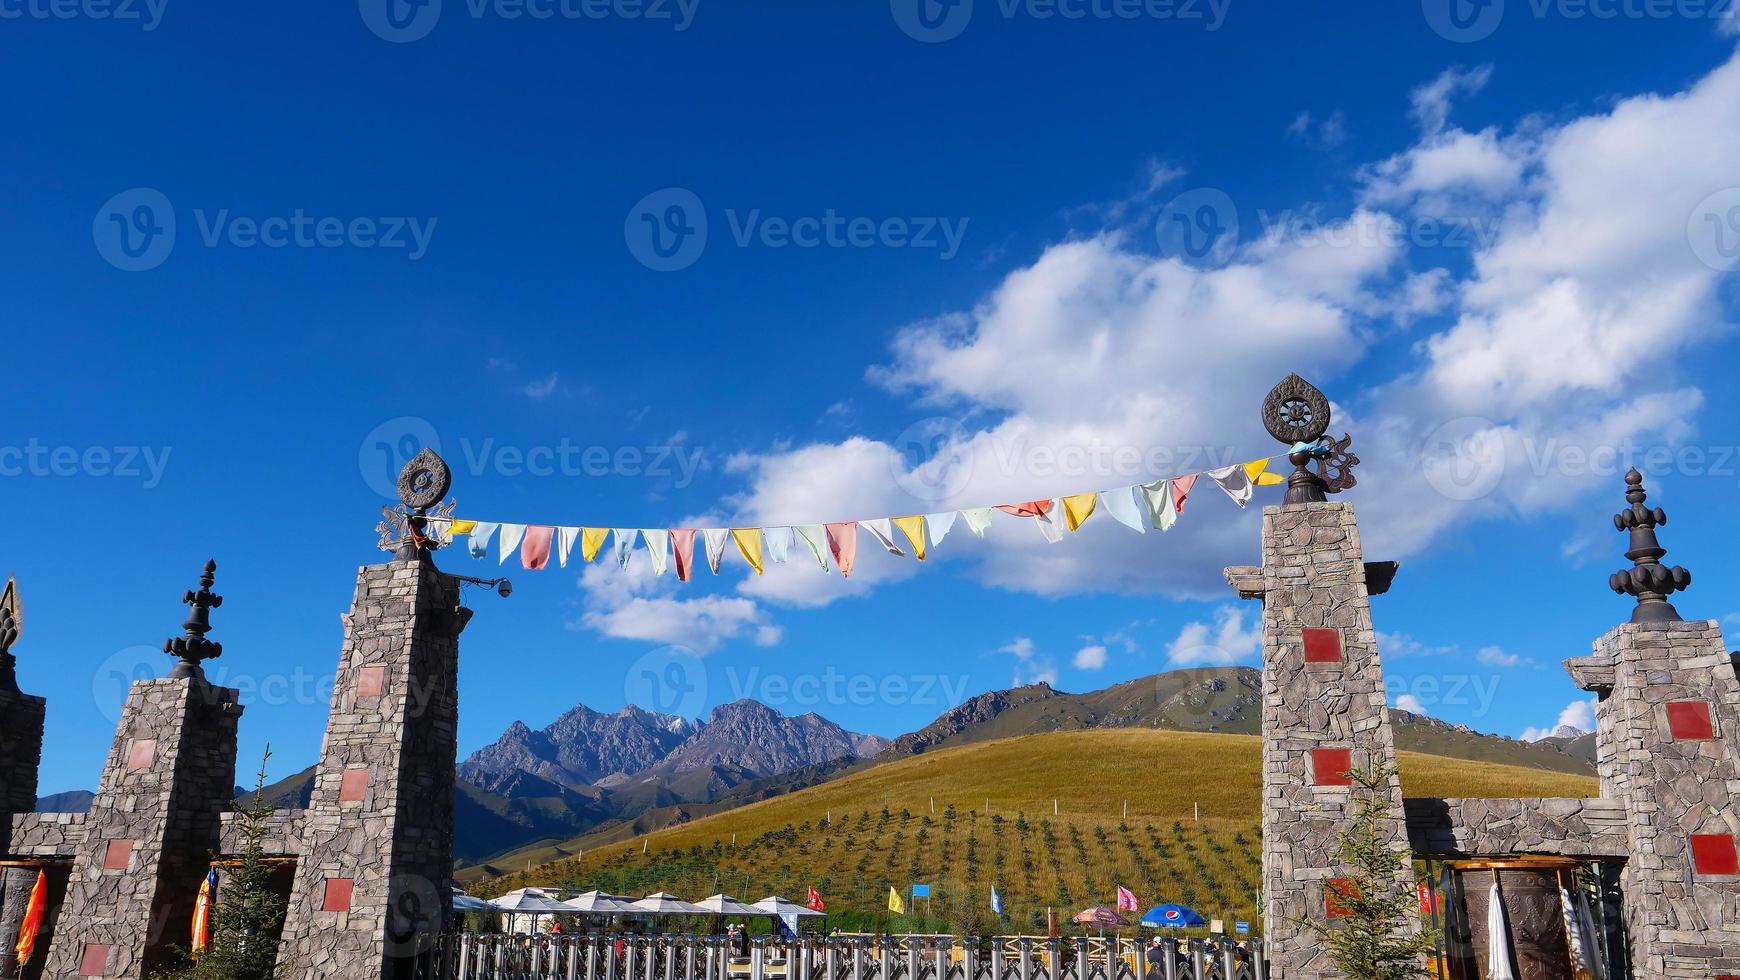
(1172, 916)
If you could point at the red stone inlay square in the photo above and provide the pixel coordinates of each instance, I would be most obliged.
(1335, 892)
(1329, 767)
(1690, 721)
(353, 786)
(1322, 646)
(369, 681)
(1714, 854)
(142, 753)
(118, 855)
(95, 961)
(337, 897)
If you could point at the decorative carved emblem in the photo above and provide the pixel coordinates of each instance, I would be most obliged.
(1335, 467)
(1295, 411)
(1648, 580)
(424, 480)
(422, 484)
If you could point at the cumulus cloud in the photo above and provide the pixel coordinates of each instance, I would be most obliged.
(631, 604)
(1227, 640)
(1497, 657)
(1031, 666)
(1408, 702)
(1090, 658)
(1578, 714)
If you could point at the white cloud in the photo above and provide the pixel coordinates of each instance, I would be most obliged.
(1497, 657)
(631, 604)
(1090, 658)
(1031, 666)
(1408, 702)
(540, 389)
(1431, 101)
(1396, 645)
(1225, 641)
(1578, 714)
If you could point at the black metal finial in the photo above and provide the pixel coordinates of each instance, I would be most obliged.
(1297, 415)
(11, 623)
(192, 646)
(1648, 579)
(422, 484)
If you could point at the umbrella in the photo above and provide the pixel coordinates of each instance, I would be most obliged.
(529, 900)
(1172, 916)
(467, 903)
(1100, 917)
(775, 906)
(662, 903)
(726, 905)
(598, 903)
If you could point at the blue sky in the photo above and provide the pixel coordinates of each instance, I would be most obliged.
(1504, 249)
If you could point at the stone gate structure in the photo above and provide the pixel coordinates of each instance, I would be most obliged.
(373, 848)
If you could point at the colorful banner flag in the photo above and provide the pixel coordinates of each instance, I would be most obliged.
(202, 911)
(996, 902)
(1127, 900)
(913, 528)
(1077, 508)
(1235, 481)
(883, 531)
(1047, 523)
(977, 518)
(622, 540)
(535, 547)
(715, 539)
(592, 541)
(1158, 496)
(565, 538)
(1181, 490)
(683, 548)
(749, 545)
(815, 902)
(843, 542)
(1258, 471)
(478, 543)
(896, 904)
(1121, 505)
(937, 526)
(777, 541)
(34, 910)
(509, 542)
(658, 547)
(816, 537)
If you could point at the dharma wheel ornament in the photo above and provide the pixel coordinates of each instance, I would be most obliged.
(1648, 580)
(1297, 415)
(422, 484)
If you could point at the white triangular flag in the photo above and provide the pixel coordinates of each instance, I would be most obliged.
(658, 547)
(1051, 529)
(977, 518)
(478, 542)
(623, 540)
(715, 538)
(1158, 497)
(1235, 481)
(816, 537)
(510, 540)
(777, 542)
(1121, 504)
(565, 538)
(938, 525)
(883, 530)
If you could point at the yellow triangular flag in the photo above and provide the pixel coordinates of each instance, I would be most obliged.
(592, 539)
(895, 902)
(749, 542)
(913, 528)
(461, 527)
(1258, 471)
(1077, 508)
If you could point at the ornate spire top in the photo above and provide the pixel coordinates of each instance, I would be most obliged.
(1648, 579)
(1298, 415)
(11, 624)
(192, 646)
(422, 484)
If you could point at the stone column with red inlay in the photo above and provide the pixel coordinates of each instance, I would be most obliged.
(1667, 741)
(1324, 714)
(373, 879)
(151, 831)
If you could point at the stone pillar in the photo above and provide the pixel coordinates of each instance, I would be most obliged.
(151, 830)
(21, 718)
(1668, 737)
(372, 884)
(1324, 713)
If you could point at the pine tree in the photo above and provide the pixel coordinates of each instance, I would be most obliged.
(1375, 936)
(250, 913)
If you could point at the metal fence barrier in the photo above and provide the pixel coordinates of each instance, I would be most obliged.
(613, 956)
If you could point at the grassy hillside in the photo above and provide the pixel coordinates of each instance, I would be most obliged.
(994, 822)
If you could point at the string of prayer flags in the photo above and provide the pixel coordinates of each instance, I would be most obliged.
(937, 525)
(658, 548)
(535, 547)
(749, 544)
(715, 539)
(623, 541)
(882, 529)
(815, 537)
(683, 547)
(777, 541)
(977, 518)
(913, 528)
(511, 534)
(843, 542)
(1121, 505)
(1077, 508)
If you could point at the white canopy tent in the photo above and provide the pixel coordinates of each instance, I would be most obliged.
(776, 906)
(726, 905)
(664, 903)
(599, 903)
